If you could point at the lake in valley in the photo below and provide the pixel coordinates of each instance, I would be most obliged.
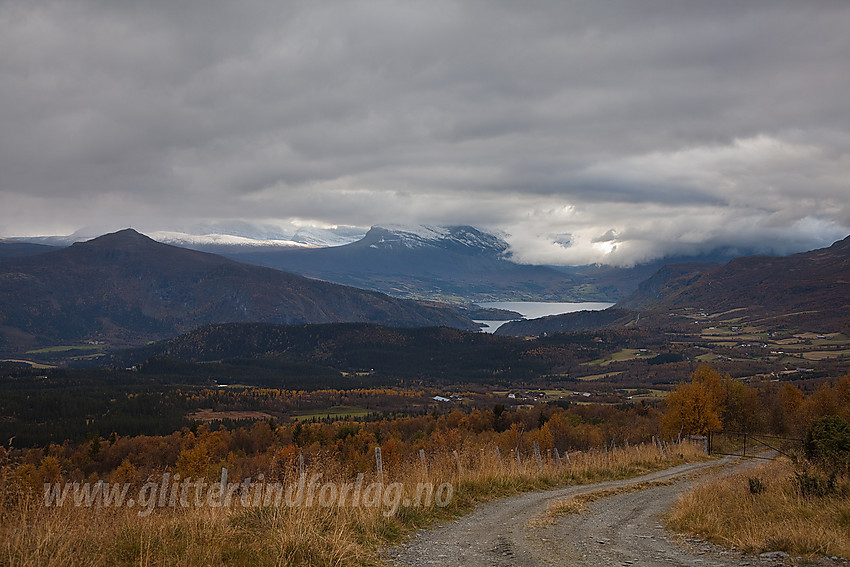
(535, 309)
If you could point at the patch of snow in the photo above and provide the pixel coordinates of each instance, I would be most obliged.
(183, 239)
(326, 237)
(422, 232)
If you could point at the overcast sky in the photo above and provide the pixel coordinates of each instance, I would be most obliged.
(592, 131)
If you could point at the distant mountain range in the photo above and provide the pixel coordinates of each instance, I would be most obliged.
(460, 264)
(454, 263)
(809, 290)
(222, 237)
(125, 287)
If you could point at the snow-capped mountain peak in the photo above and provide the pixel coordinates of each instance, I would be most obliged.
(468, 237)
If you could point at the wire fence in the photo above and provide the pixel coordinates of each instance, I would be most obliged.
(753, 445)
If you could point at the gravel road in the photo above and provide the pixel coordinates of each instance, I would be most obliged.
(623, 529)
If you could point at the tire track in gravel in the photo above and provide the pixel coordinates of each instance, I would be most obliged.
(623, 529)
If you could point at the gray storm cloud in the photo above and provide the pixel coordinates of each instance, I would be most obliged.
(610, 132)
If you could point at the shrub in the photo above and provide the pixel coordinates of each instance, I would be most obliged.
(828, 443)
(756, 485)
(811, 485)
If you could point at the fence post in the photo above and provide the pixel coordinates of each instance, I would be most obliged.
(537, 457)
(558, 458)
(457, 461)
(301, 473)
(498, 456)
(424, 461)
(380, 465)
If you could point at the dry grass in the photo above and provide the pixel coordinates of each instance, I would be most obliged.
(34, 535)
(578, 504)
(778, 518)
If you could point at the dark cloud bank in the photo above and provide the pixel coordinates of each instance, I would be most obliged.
(589, 131)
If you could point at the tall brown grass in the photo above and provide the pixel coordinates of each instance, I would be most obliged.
(765, 510)
(32, 534)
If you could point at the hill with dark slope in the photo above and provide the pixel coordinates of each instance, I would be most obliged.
(22, 249)
(313, 343)
(618, 282)
(817, 281)
(577, 322)
(663, 283)
(386, 354)
(809, 290)
(125, 286)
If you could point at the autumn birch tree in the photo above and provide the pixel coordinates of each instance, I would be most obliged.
(694, 408)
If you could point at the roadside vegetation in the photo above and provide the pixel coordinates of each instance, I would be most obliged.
(799, 504)
(801, 508)
(477, 466)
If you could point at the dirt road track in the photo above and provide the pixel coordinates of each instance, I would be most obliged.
(624, 529)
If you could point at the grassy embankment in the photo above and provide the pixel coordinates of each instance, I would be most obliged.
(32, 534)
(769, 509)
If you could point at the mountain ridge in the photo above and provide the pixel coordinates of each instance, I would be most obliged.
(125, 286)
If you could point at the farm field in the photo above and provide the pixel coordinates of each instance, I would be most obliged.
(333, 412)
(621, 356)
(64, 349)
